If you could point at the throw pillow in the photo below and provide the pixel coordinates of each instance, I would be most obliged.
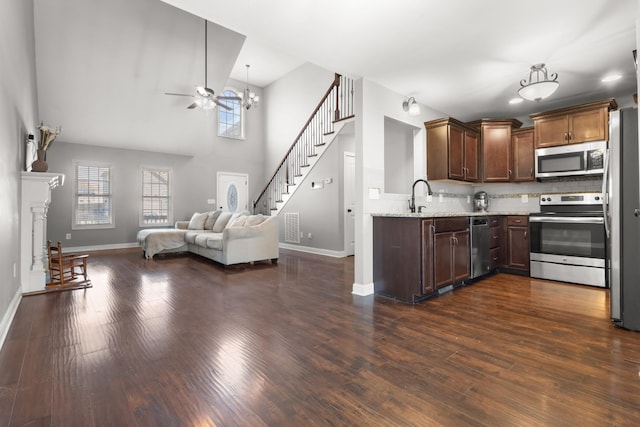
(197, 221)
(254, 220)
(221, 222)
(235, 218)
(211, 219)
(238, 222)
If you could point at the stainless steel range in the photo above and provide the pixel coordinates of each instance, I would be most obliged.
(568, 239)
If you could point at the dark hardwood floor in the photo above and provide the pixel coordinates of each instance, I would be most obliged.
(182, 341)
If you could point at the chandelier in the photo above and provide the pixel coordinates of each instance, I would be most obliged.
(249, 99)
(540, 86)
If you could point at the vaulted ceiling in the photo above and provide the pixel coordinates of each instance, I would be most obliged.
(103, 66)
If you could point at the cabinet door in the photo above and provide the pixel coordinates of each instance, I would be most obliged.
(496, 153)
(551, 131)
(456, 153)
(442, 259)
(428, 285)
(461, 256)
(518, 241)
(396, 257)
(523, 156)
(587, 126)
(471, 143)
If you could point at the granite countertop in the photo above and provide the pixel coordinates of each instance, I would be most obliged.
(448, 214)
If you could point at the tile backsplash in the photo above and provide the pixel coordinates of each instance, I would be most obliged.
(452, 197)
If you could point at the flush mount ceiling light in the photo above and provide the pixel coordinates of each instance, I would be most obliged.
(611, 78)
(411, 106)
(539, 86)
(249, 98)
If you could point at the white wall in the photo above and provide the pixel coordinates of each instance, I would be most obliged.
(288, 104)
(374, 103)
(321, 210)
(18, 117)
(194, 177)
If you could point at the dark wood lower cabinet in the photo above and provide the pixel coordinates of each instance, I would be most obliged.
(451, 258)
(402, 257)
(451, 251)
(414, 257)
(517, 243)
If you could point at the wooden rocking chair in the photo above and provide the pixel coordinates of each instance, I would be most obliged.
(66, 270)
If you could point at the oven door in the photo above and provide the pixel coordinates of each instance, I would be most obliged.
(569, 236)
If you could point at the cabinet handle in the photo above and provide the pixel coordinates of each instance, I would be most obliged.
(525, 235)
(495, 258)
(510, 172)
(566, 136)
(570, 136)
(531, 173)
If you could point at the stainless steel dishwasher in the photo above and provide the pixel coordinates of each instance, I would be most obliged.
(480, 259)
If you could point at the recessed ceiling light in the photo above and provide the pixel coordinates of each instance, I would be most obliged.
(515, 101)
(612, 78)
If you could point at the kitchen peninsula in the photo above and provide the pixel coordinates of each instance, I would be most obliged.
(420, 255)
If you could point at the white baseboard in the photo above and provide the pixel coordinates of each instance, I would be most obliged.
(5, 324)
(100, 247)
(310, 250)
(362, 289)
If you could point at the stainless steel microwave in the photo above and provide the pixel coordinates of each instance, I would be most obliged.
(571, 160)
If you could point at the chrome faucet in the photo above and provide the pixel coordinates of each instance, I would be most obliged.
(412, 202)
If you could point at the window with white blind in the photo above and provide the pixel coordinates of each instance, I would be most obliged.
(156, 197)
(230, 122)
(93, 201)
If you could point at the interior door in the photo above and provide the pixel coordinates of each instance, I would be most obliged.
(349, 203)
(233, 191)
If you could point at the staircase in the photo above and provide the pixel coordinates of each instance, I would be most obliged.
(333, 111)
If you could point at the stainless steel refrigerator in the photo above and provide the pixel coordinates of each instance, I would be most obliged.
(622, 218)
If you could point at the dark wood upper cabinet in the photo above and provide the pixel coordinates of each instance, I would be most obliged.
(582, 123)
(495, 143)
(522, 146)
(452, 150)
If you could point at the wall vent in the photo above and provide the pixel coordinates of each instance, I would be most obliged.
(292, 227)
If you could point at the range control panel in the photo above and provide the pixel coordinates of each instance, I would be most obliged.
(571, 199)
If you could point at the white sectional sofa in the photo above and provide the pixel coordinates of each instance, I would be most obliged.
(221, 236)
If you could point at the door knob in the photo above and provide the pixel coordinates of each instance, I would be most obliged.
(636, 213)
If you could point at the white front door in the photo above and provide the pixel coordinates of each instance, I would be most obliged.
(233, 191)
(349, 203)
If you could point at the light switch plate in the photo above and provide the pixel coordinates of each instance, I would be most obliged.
(211, 201)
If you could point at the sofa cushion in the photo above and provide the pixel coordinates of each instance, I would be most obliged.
(221, 222)
(214, 241)
(197, 221)
(211, 219)
(190, 236)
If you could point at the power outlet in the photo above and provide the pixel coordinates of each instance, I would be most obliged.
(211, 201)
(68, 236)
(525, 198)
(310, 236)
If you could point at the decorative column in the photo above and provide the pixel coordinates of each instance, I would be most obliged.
(36, 196)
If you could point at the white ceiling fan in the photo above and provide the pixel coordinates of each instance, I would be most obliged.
(205, 97)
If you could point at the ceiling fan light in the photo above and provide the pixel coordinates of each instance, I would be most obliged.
(540, 85)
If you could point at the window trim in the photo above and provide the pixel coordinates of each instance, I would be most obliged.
(242, 136)
(169, 221)
(74, 225)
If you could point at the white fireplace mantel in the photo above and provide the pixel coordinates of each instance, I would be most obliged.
(36, 196)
